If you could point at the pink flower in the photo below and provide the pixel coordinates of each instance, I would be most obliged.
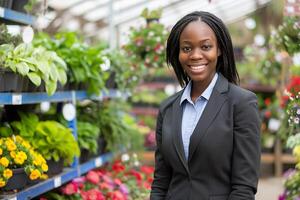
(92, 194)
(70, 189)
(93, 177)
(116, 195)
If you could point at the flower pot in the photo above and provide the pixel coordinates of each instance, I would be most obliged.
(6, 3)
(18, 5)
(55, 167)
(17, 181)
(111, 83)
(10, 81)
(101, 145)
(85, 155)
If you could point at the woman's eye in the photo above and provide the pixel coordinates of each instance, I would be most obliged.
(206, 47)
(186, 49)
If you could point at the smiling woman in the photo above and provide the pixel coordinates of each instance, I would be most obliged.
(210, 130)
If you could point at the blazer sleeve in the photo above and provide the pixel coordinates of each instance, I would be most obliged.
(246, 150)
(163, 171)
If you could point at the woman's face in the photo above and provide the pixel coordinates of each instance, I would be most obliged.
(199, 51)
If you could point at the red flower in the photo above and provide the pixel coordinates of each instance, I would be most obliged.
(137, 175)
(118, 181)
(267, 101)
(294, 86)
(93, 177)
(268, 114)
(92, 194)
(147, 170)
(70, 189)
(118, 167)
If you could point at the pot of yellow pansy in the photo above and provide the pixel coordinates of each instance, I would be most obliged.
(19, 163)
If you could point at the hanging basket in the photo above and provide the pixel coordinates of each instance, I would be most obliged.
(17, 181)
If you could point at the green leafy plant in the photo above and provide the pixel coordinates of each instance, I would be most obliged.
(35, 63)
(87, 136)
(83, 61)
(50, 138)
(125, 75)
(151, 14)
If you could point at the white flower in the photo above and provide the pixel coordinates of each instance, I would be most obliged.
(151, 34)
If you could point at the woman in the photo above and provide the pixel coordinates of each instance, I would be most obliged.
(208, 134)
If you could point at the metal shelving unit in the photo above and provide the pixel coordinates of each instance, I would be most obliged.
(69, 173)
(9, 16)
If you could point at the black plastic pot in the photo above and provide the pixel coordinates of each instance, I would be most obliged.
(10, 81)
(18, 5)
(6, 3)
(55, 167)
(17, 181)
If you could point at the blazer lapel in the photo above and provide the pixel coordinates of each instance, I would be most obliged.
(177, 138)
(213, 106)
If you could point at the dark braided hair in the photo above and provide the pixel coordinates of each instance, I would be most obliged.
(225, 64)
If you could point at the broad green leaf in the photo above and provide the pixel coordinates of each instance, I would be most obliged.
(22, 68)
(53, 72)
(35, 78)
(50, 87)
(62, 76)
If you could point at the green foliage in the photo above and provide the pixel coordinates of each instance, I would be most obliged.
(7, 38)
(82, 60)
(149, 96)
(87, 135)
(36, 63)
(287, 36)
(118, 128)
(153, 14)
(126, 75)
(50, 138)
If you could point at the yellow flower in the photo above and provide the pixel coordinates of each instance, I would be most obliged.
(19, 139)
(7, 173)
(19, 160)
(44, 167)
(35, 174)
(2, 182)
(1, 151)
(22, 154)
(1, 141)
(11, 146)
(4, 161)
(13, 154)
(26, 144)
(296, 151)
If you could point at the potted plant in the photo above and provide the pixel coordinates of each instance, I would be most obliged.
(54, 141)
(36, 64)
(19, 160)
(146, 45)
(87, 136)
(83, 61)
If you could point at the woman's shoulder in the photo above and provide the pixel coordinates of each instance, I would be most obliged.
(240, 94)
(170, 100)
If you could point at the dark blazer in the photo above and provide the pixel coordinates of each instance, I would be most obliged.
(224, 151)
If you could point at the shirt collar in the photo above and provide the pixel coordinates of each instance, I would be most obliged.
(206, 94)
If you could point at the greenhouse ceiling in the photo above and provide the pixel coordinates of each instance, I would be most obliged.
(110, 19)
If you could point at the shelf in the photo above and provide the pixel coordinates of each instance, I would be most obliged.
(145, 111)
(284, 158)
(9, 16)
(32, 98)
(259, 88)
(60, 179)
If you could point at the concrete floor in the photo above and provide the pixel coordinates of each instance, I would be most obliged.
(269, 188)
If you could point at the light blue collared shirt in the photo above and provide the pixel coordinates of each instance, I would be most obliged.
(193, 111)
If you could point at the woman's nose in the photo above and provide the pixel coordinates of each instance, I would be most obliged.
(196, 54)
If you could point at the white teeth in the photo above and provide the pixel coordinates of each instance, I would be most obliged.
(197, 67)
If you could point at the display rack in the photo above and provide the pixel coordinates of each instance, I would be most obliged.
(9, 16)
(77, 169)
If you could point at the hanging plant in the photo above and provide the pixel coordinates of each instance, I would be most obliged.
(146, 44)
(287, 36)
